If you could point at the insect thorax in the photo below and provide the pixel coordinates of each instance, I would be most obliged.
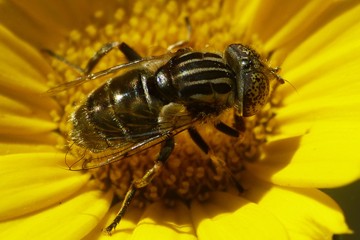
(197, 79)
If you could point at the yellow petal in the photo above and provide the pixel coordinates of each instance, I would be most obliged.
(19, 55)
(290, 15)
(10, 105)
(166, 223)
(321, 160)
(125, 228)
(17, 125)
(226, 216)
(12, 148)
(36, 19)
(297, 23)
(324, 71)
(306, 213)
(18, 106)
(44, 142)
(330, 36)
(30, 182)
(323, 155)
(23, 72)
(71, 219)
(316, 142)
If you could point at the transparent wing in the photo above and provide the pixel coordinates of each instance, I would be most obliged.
(115, 154)
(152, 63)
(173, 124)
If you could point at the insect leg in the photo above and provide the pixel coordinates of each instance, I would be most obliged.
(129, 52)
(183, 43)
(105, 49)
(239, 125)
(196, 137)
(222, 127)
(64, 60)
(165, 151)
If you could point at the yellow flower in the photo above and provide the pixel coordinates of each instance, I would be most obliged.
(305, 138)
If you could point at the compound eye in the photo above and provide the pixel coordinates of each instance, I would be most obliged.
(256, 91)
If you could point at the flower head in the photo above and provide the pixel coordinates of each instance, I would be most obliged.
(296, 144)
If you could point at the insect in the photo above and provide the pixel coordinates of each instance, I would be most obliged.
(148, 101)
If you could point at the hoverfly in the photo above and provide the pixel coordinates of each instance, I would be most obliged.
(148, 101)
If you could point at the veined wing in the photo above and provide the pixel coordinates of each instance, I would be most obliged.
(173, 124)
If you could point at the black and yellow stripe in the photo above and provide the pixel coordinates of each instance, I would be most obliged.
(200, 77)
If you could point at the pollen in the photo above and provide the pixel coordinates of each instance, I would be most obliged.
(189, 173)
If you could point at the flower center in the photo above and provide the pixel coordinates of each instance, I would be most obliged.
(189, 173)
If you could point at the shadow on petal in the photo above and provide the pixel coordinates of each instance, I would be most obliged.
(226, 216)
(167, 222)
(278, 154)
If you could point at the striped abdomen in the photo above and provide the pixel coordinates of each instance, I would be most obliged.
(197, 78)
(118, 112)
